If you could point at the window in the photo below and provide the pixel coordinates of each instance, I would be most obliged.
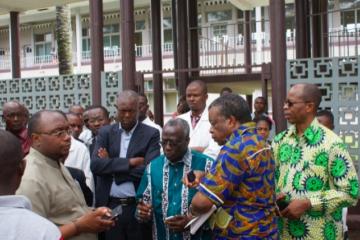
(111, 39)
(43, 44)
(140, 25)
(2, 52)
(170, 84)
(86, 40)
(167, 25)
(219, 30)
(219, 16)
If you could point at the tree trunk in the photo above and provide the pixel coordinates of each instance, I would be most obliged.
(63, 38)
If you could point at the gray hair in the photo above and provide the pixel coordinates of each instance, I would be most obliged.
(181, 123)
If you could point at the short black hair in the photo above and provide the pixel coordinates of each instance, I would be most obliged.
(225, 89)
(102, 108)
(201, 84)
(311, 93)
(233, 105)
(11, 155)
(35, 120)
(262, 98)
(327, 114)
(264, 118)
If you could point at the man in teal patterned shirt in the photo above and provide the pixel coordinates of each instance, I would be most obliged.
(161, 192)
(315, 174)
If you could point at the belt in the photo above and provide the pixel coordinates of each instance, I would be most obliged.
(122, 201)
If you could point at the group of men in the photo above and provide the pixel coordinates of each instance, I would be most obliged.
(308, 169)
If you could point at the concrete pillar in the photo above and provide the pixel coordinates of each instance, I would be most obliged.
(194, 39)
(14, 34)
(182, 44)
(156, 27)
(128, 44)
(278, 61)
(247, 40)
(97, 48)
(302, 21)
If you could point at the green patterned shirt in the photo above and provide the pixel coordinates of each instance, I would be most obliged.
(318, 167)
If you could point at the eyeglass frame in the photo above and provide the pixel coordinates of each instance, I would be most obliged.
(58, 133)
(291, 104)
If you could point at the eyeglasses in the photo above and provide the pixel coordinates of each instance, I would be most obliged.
(58, 133)
(170, 142)
(290, 103)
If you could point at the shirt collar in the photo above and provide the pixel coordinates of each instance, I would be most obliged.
(131, 131)
(186, 159)
(244, 128)
(41, 157)
(309, 132)
(14, 201)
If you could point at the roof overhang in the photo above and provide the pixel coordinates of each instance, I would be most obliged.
(251, 4)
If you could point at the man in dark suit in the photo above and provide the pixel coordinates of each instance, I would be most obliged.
(121, 153)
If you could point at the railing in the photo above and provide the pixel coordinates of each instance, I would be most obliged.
(226, 50)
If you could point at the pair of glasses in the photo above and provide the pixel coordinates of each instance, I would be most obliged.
(170, 142)
(290, 103)
(58, 133)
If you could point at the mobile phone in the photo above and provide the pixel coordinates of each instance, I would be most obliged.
(169, 218)
(116, 212)
(191, 176)
(282, 204)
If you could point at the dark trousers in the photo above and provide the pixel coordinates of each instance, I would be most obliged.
(127, 227)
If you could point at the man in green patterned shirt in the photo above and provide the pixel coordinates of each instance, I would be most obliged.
(315, 174)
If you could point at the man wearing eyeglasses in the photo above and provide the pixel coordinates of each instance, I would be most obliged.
(50, 187)
(315, 173)
(121, 153)
(15, 116)
(168, 210)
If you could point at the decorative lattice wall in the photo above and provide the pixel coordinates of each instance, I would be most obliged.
(339, 79)
(59, 92)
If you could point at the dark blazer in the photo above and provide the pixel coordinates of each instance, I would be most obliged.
(144, 143)
(79, 176)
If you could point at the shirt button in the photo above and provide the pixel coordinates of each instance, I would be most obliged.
(175, 184)
(174, 203)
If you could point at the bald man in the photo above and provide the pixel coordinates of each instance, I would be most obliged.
(315, 175)
(48, 184)
(17, 220)
(16, 116)
(121, 153)
(198, 120)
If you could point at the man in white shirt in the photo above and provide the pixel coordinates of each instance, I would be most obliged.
(17, 221)
(142, 117)
(198, 120)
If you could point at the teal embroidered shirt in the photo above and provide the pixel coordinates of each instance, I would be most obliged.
(162, 186)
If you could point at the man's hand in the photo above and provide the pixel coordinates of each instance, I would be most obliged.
(95, 221)
(144, 211)
(136, 161)
(178, 223)
(198, 176)
(296, 208)
(102, 153)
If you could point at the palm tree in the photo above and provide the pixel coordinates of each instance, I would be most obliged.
(63, 38)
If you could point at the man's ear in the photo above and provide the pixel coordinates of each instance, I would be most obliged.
(310, 107)
(22, 166)
(35, 139)
(232, 121)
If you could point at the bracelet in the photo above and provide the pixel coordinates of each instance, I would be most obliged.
(77, 230)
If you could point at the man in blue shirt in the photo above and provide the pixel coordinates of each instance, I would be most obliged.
(163, 197)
